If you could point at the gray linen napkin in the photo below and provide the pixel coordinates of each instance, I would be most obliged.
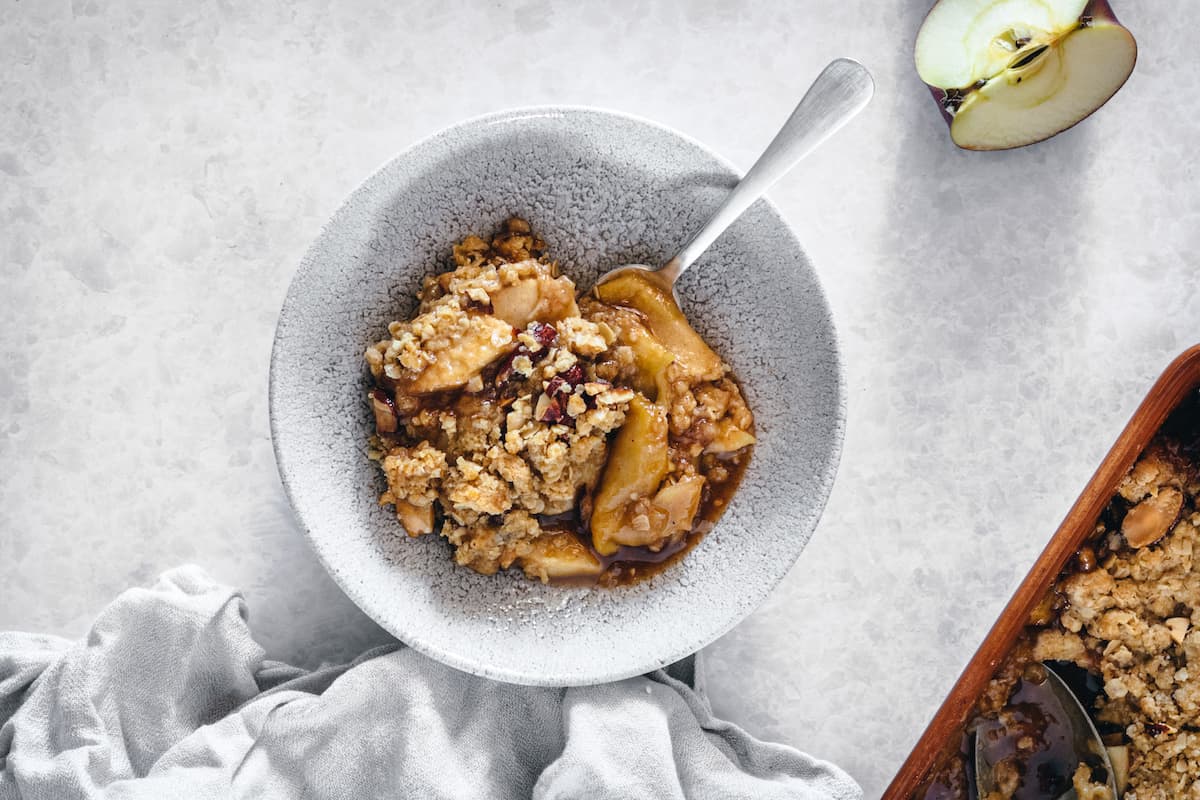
(170, 697)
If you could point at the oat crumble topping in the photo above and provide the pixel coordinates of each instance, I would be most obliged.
(557, 434)
(1126, 612)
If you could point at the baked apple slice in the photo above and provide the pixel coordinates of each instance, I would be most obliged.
(543, 299)
(729, 439)
(487, 339)
(666, 321)
(650, 358)
(637, 463)
(560, 555)
(681, 502)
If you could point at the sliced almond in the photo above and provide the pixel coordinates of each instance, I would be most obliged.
(547, 409)
(1178, 626)
(1153, 518)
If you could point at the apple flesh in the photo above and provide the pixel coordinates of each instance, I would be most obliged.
(1007, 73)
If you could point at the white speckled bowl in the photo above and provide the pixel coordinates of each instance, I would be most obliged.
(603, 189)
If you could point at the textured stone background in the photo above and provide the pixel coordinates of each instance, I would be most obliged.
(164, 165)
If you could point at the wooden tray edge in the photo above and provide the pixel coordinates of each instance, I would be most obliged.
(1172, 386)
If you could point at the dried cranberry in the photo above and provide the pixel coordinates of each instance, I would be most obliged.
(543, 333)
(1157, 728)
(574, 375)
(557, 385)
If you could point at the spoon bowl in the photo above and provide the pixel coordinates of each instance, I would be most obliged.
(1070, 736)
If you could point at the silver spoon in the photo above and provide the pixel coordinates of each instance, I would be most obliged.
(1085, 739)
(838, 93)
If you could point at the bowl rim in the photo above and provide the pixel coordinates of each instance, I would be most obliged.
(706, 635)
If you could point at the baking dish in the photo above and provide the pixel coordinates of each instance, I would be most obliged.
(1176, 382)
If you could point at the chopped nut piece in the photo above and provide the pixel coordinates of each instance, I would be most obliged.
(523, 365)
(1178, 626)
(576, 405)
(517, 225)
(613, 397)
(547, 409)
(1152, 518)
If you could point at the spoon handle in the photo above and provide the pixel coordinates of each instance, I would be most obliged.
(838, 93)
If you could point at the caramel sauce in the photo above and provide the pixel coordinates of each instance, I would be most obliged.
(1034, 732)
(632, 564)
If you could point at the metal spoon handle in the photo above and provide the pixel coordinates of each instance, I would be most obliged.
(838, 93)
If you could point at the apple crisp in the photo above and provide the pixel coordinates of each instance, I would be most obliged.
(1123, 620)
(570, 437)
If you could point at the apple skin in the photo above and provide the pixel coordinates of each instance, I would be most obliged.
(1102, 10)
(1095, 9)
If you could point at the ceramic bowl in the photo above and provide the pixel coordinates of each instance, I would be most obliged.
(603, 189)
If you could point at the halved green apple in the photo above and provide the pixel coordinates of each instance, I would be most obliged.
(1007, 73)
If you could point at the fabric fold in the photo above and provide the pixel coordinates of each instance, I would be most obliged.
(169, 696)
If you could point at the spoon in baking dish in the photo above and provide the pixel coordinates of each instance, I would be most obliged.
(838, 93)
(1050, 731)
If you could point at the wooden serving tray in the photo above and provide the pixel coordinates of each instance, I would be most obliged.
(1181, 377)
